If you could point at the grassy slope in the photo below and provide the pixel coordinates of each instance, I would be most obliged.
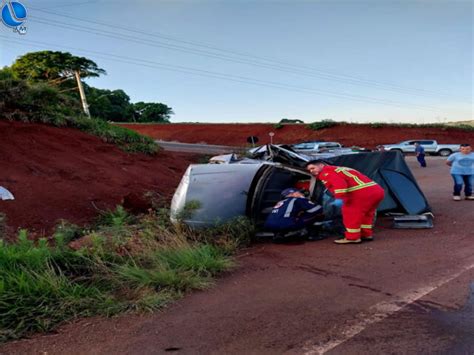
(125, 263)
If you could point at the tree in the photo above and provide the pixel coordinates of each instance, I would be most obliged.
(286, 120)
(53, 65)
(34, 102)
(152, 112)
(110, 105)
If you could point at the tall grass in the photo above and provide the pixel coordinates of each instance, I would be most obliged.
(3, 225)
(125, 263)
(124, 138)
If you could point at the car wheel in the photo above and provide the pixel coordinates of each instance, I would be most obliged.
(445, 152)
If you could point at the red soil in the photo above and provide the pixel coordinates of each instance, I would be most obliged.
(63, 173)
(349, 135)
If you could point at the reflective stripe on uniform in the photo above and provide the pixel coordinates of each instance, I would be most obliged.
(289, 209)
(366, 226)
(314, 209)
(350, 230)
(362, 186)
(346, 172)
(355, 188)
(357, 180)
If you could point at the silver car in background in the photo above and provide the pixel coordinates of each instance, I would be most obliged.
(430, 146)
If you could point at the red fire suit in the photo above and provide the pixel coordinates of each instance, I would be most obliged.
(360, 195)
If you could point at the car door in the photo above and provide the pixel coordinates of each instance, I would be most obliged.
(409, 146)
(430, 146)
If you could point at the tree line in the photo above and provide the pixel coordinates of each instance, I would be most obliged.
(42, 84)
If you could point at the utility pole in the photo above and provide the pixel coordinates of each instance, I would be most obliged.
(85, 106)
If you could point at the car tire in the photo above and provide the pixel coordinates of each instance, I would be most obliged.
(445, 152)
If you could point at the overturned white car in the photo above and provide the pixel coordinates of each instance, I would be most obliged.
(252, 186)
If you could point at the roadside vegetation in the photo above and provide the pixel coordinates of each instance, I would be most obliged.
(466, 126)
(41, 87)
(315, 126)
(123, 263)
(26, 101)
(443, 126)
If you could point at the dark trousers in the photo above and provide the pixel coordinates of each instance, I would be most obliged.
(459, 180)
(421, 160)
(299, 225)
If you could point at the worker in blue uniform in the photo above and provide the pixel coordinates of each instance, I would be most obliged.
(294, 216)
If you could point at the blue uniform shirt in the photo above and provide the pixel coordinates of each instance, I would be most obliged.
(292, 213)
(420, 150)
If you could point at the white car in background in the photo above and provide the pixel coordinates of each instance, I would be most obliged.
(316, 147)
(430, 146)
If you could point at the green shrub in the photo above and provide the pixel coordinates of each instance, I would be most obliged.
(66, 232)
(286, 120)
(115, 218)
(322, 124)
(278, 126)
(189, 209)
(463, 127)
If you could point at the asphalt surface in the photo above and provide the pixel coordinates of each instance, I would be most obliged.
(408, 292)
(197, 148)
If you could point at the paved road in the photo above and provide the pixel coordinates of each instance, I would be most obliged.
(408, 292)
(197, 148)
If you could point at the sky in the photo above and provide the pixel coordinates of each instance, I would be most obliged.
(261, 61)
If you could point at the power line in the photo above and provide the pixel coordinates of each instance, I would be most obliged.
(286, 67)
(229, 77)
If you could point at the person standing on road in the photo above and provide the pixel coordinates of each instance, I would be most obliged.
(420, 154)
(462, 171)
(360, 195)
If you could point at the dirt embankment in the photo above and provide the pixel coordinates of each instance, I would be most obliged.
(62, 173)
(349, 135)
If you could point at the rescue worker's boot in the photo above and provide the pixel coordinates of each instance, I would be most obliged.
(367, 239)
(348, 241)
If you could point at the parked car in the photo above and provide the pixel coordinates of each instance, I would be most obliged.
(315, 147)
(431, 147)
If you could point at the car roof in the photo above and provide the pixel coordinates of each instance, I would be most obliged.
(309, 142)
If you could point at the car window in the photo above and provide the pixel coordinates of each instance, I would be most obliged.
(304, 146)
(427, 142)
(332, 145)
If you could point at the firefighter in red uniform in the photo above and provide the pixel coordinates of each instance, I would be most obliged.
(360, 196)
